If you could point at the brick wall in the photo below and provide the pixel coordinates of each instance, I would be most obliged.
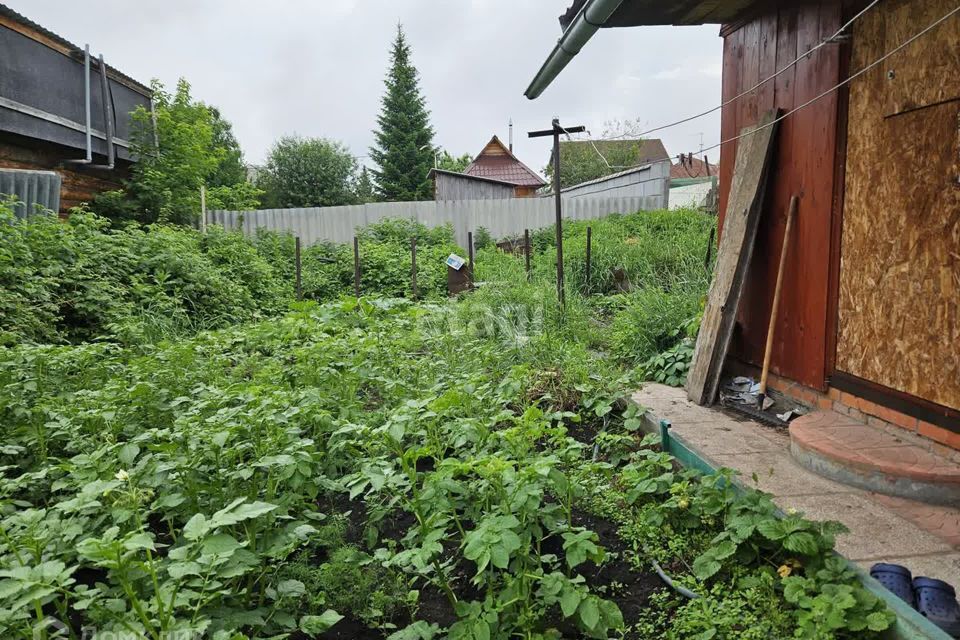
(80, 184)
(930, 436)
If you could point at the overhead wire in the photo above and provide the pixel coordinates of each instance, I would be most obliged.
(806, 54)
(842, 83)
(806, 104)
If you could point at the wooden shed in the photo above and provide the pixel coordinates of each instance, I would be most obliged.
(452, 185)
(870, 313)
(61, 111)
(648, 180)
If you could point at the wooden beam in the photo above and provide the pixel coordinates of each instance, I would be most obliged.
(35, 35)
(742, 217)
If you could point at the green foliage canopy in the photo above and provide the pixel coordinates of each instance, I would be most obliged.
(309, 172)
(449, 162)
(580, 162)
(196, 148)
(365, 190)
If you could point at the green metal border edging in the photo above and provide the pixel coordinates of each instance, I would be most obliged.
(910, 624)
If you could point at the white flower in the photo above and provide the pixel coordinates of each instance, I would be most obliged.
(791, 511)
(122, 476)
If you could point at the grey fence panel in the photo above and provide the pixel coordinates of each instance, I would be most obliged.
(30, 189)
(502, 218)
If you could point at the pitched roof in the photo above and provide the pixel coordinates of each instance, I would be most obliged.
(58, 42)
(497, 162)
(698, 169)
(435, 171)
(649, 150)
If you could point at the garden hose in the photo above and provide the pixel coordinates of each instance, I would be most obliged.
(669, 581)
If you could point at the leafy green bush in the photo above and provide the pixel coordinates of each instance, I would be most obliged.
(662, 249)
(83, 280)
(196, 148)
(671, 366)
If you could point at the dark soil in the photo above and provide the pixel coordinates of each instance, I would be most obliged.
(348, 629)
(634, 587)
(614, 580)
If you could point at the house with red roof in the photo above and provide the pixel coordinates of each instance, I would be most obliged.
(494, 174)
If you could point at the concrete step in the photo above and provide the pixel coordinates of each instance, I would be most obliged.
(846, 450)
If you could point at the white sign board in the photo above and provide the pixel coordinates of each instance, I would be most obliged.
(454, 261)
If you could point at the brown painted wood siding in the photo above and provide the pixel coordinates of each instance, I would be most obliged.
(899, 294)
(804, 161)
(79, 185)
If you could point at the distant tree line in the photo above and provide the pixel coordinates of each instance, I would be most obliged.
(185, 145)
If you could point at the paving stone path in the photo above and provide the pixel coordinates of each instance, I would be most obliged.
(920, 536)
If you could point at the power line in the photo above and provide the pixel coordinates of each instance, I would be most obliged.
(759, 84)
(859, 73)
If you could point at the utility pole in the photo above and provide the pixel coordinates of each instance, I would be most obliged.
(556, 130)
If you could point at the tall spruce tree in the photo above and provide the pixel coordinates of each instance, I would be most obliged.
(404, 140)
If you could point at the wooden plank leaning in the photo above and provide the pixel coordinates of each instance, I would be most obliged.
(747, 188)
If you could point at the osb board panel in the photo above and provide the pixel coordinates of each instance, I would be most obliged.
(915, 77)
(899, 297)
(803, 165)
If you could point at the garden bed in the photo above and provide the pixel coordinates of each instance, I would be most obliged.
(463, 469)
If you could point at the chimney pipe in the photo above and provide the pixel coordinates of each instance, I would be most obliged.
(511, 135)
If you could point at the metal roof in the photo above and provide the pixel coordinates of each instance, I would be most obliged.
(435, 171)
(698, 169)
(503, 166)
(75, 51)
(619, 174)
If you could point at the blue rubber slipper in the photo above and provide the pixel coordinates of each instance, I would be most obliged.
(896, 578)
(937, 601)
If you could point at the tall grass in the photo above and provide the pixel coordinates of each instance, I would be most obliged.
(647, 278)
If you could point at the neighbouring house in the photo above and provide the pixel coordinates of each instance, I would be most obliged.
(64, 118)
(585, 160)
(650, 181)
(494, 174)
(694, 183)
(693, 168)
(869, 319)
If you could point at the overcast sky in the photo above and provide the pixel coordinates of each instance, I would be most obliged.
(317, 68)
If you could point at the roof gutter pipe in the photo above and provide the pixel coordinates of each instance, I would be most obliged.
(107, 115)
(593, 14)
(86, 101)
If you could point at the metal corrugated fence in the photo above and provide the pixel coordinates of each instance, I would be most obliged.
(30, 188)
(500, 217)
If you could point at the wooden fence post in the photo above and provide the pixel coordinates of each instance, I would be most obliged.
(706, 261)
(203, 208)
(470, 255)
(356, 266)
(297, 259)
(526, 250)
(413, 266)
(589, 244)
